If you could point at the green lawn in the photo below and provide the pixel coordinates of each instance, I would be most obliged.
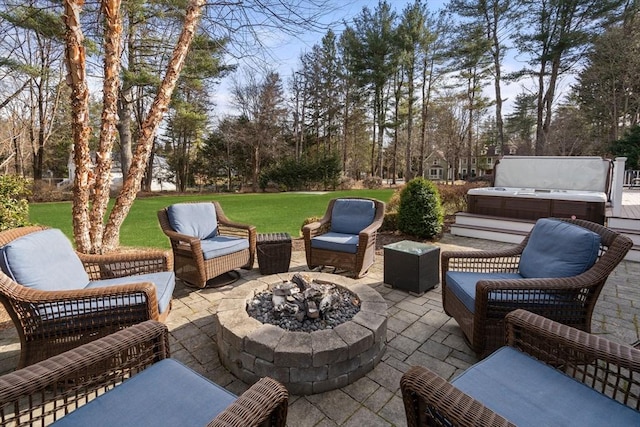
(273, 212)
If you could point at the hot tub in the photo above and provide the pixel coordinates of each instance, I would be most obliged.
(534, 203)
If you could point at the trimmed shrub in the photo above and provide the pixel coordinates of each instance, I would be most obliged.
(14, 207)
(394, 202)
(454, 197)
(390, 222)
(420, 212)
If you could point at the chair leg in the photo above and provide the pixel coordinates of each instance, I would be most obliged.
(361, 274)
(220, 281)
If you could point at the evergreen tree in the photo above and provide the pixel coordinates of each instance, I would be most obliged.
(554, 34)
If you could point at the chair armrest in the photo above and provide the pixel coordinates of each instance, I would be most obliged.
(226, 222)
(129, 263)
(372, 228)
(55, 386)
(176, 237)
(430, 400)
(232, 228)
(580, 281)
(503, 260)
(138, 299)
(610, 368)
(316, 228)
(266, 400)
(237, 230)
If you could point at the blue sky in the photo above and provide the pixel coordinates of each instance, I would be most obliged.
(284, 51)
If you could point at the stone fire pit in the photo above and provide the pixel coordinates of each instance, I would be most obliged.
(305, 362)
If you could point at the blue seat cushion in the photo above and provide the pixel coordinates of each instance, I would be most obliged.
(527, 392)
(558, 249)
(194, 219)
(165, 394)
(164, 282)
(44, 260)
(337, 242)
(215, 247)
(351, 216)
(463, 284)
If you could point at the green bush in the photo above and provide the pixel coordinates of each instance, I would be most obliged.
(420, 212)
(454, 197)
(390, 222)
(290, 174)
(14, 207)
(394, 202)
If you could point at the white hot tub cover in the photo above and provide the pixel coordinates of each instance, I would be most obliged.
(578, 173)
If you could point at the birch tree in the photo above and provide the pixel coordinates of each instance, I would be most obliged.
(90, 199)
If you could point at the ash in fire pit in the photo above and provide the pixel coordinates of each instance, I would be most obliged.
(303, 305)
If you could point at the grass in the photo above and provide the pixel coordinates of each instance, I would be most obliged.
(272, 212)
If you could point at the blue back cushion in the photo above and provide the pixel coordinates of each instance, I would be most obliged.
(44, 260)
(558, 249)
(194, 219)
(350, 216)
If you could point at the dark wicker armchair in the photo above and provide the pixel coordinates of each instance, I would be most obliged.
(349, 245)
(583, 379)
(498, 286)
(53, 389)
(192, 264)
(120, 292)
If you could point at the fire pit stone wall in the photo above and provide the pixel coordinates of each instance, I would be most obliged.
(306, 362)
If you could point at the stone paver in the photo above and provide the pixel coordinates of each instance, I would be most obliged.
(418, 332)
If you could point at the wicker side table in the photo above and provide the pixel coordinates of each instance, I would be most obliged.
(274, 252)
(411, 266)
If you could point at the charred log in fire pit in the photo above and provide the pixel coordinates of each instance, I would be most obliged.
(304, 305)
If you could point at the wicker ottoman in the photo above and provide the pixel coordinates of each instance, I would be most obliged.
(274, 252)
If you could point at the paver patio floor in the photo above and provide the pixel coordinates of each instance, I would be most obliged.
(418, 333)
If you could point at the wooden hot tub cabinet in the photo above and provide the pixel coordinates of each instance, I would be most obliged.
(535, 208)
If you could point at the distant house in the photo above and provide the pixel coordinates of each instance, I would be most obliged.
(162, 175)
(438, 169)
(482, 164)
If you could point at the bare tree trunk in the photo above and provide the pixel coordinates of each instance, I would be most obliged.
(548, 99)
(540, 135)
(77, 80)
(125, 106)
(125, 109)
(131, 184)
(255, 168)
(426, 99)
(100, 199)
(148, 175)
(18, 155)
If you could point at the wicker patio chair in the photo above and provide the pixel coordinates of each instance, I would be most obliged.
(549, 374)
(499, 285)
(345, 237)
(61, 298)
(205, 242)
(118, 364)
